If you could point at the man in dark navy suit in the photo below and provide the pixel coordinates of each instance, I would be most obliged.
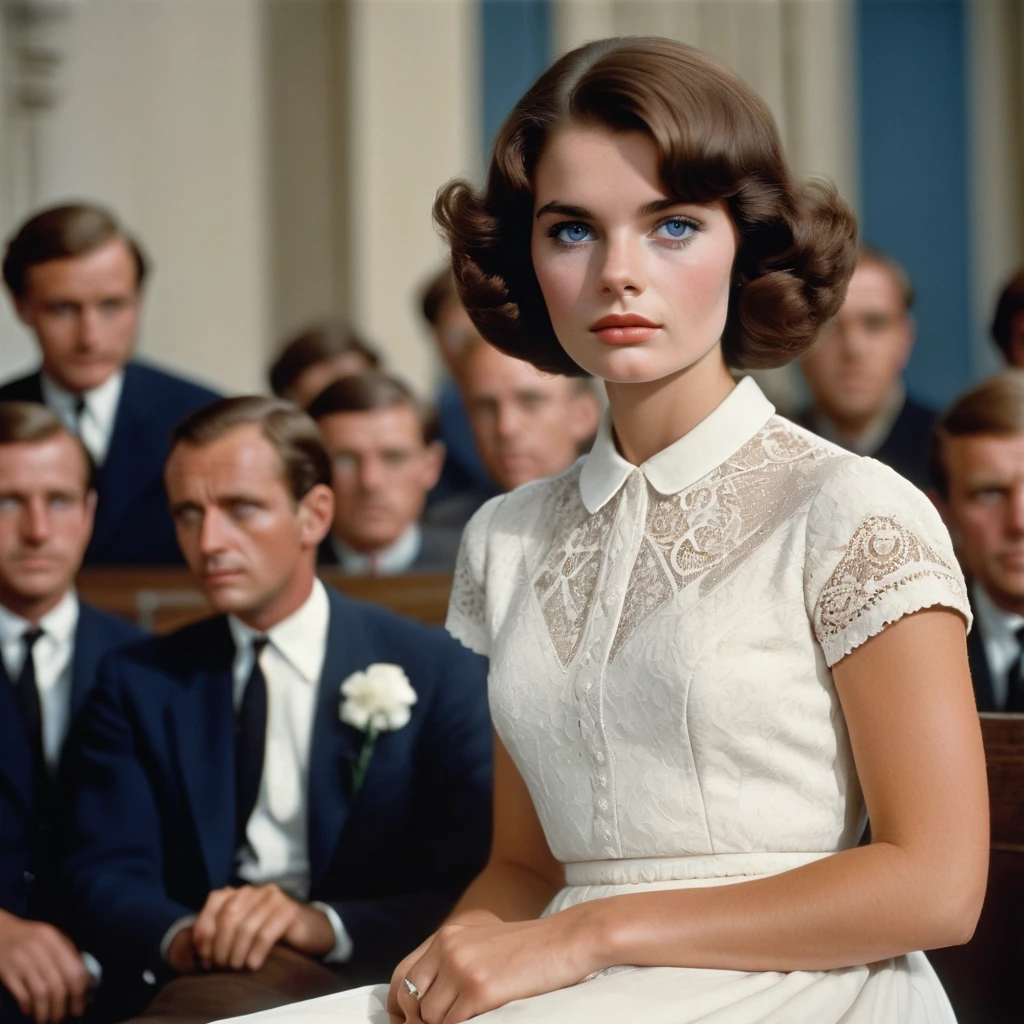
(978, 476)
(241, 784)
(50, 646)
(855, 372)
(76, 281)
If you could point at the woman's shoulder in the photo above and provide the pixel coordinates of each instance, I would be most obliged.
(507, 513)
(856, 481)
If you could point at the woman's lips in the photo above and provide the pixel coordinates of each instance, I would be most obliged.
(624, 330)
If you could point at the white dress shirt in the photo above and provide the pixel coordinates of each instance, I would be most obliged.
(53, 654)
(96, 425)
(391, 561)
(999, 636)
(276, 848)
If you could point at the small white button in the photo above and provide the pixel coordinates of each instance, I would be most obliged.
(603, 804)
(149, 977)
(599, 757)
(602, 779)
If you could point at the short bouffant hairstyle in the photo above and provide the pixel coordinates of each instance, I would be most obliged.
(995, 407)
(291, 433)
(64, 232)
(717, 140)
(1010, 304)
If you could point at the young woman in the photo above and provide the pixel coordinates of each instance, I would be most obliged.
(716, 638)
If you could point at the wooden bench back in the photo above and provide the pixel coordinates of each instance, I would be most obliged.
(161, 599)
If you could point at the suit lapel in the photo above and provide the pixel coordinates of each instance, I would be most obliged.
(87, 653)
(203, 725)
(981, 675)
(133, 453)
(16, 756)
(335, 746)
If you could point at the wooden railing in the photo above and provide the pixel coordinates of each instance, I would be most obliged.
(164, 599)
(983, 977)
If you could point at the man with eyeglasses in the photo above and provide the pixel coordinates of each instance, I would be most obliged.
(855, 372)
(385, 459)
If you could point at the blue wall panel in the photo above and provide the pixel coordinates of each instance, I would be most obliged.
(516, 49)
(914, 143)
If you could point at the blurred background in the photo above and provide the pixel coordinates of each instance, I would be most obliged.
(278, 158)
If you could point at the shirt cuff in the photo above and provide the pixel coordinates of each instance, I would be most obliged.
(342, 952)
(172, 932)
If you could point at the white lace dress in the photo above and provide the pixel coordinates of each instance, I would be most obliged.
(661, 640)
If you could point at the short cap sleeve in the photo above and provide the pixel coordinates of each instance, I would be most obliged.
(467, 606)
(876, 550)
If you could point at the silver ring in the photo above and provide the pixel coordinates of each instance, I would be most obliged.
(413, 990)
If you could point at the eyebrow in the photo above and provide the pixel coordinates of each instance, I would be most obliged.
(567, 210)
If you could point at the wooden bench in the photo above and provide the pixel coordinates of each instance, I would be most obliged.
(161, 599)
(982, 977)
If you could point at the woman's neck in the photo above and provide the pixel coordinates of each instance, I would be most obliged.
(649, 417)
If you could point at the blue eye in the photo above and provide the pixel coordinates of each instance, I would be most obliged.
(677, 228)
(572, 232)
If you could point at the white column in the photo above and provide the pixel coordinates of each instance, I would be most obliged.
(413, 90)
(161, 116)
(996, 98)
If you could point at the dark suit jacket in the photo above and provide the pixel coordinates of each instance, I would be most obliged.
(133, 525)
(908, 444)
(981, 674)
(153, 813)
(438, 549)
(26, 844)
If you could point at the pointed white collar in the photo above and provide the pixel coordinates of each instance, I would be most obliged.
(737, 419)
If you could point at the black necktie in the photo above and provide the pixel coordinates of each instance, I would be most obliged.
(26, 693)
(79, 413)
(1014, 683)
(250, 740)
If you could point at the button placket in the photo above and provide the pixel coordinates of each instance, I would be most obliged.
(623, 547)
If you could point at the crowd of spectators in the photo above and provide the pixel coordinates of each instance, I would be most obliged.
(178, 806)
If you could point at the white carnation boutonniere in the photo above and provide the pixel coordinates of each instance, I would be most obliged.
(375, 700)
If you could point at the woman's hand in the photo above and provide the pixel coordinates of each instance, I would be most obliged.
(470, 967)
(470, 917)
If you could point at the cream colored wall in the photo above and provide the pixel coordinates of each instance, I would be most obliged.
(161, 115)
(413, 86)
(278, 159)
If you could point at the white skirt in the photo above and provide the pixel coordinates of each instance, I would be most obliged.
(903, 990)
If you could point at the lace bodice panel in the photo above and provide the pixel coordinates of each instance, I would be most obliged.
(660, 668)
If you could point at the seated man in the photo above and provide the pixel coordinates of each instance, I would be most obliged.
(464, 483)
(299, 769)
(385, 460)
(76, 280)
(50, 645)
(977, 470)
(316, 357)
(855, 372)
(527, 424)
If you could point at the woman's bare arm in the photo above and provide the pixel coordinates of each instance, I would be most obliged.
(909, 706)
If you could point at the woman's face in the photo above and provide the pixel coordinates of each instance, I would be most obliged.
(636, 284)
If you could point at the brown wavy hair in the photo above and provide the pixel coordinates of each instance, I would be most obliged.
(717, 140)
